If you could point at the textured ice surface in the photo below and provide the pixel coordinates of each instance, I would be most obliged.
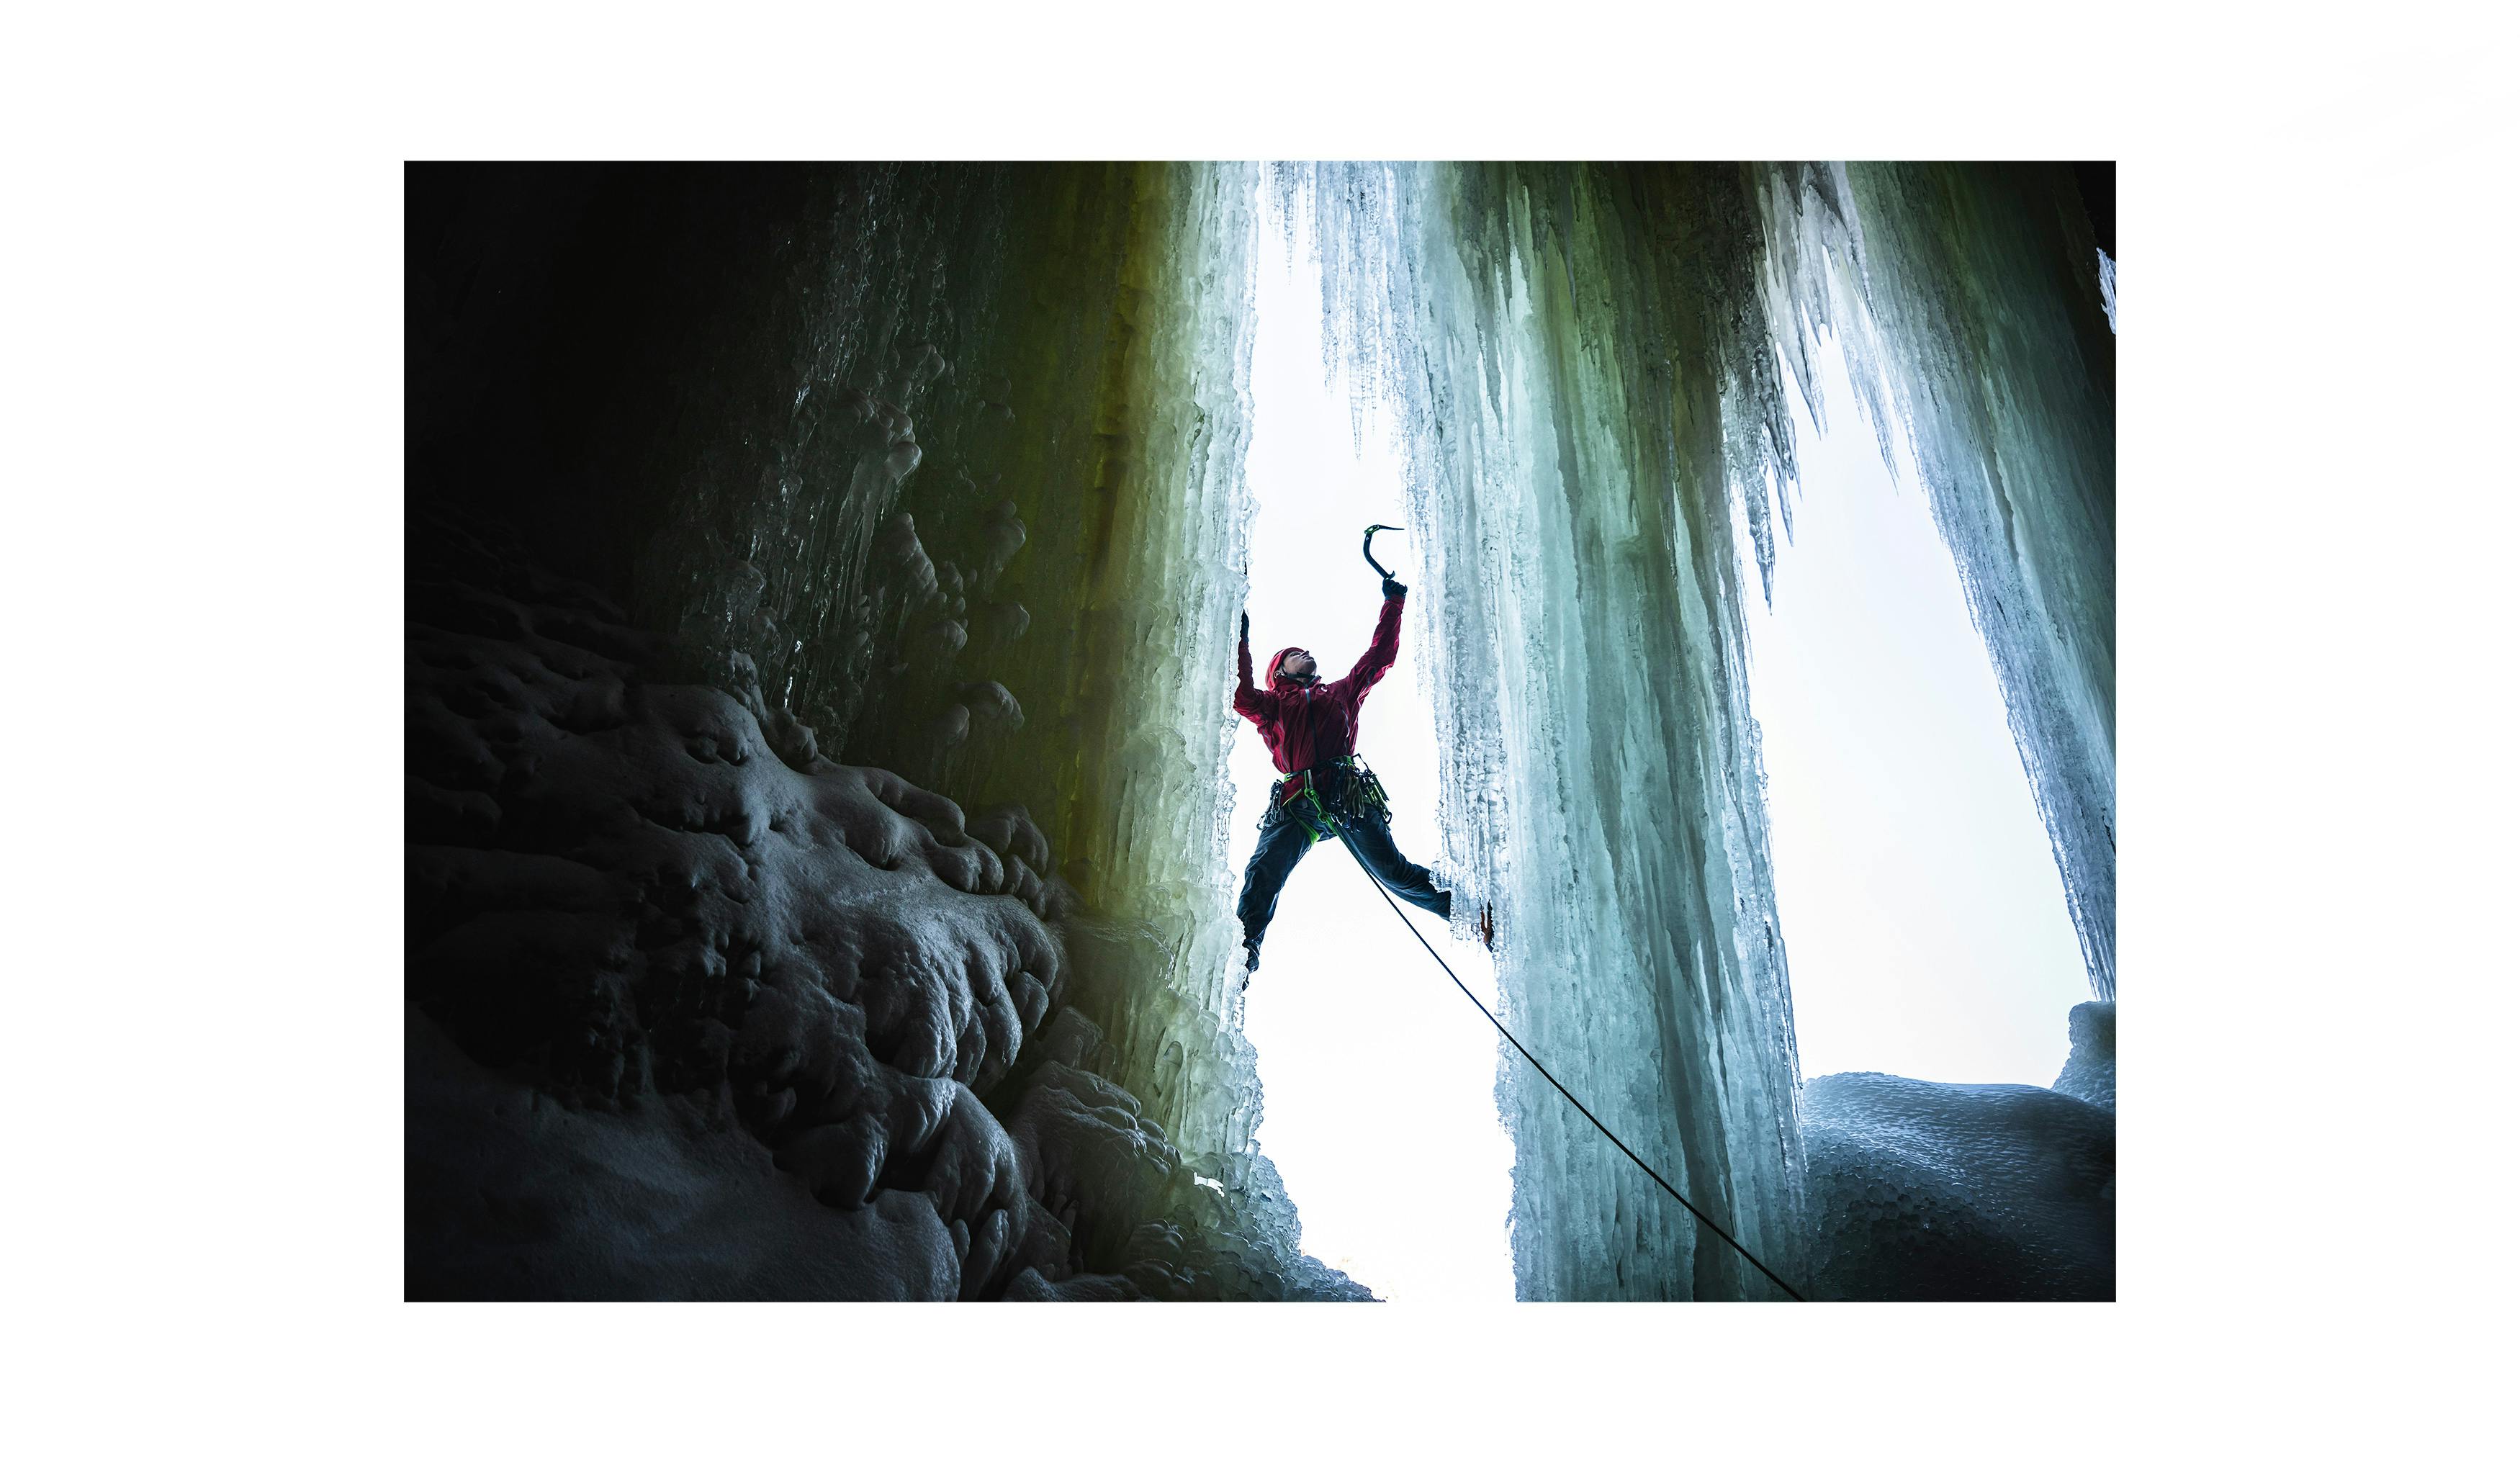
(620, 889)
(1926, 1191)
(1040, 612)
(699, 1012)
(1973, 303)
(1935, 1192)
(1584, 379)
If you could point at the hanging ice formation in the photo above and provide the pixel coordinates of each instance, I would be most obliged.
(1582, 364)
(1974, 304)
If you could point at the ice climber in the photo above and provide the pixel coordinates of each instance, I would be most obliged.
(1310, 728)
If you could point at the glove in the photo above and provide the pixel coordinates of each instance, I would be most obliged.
(1247, 630)
(1393, 589)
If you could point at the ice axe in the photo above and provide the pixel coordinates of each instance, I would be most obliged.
(1371, 530)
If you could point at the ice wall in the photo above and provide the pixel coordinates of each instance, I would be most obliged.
(1976, 307)
(1584, 374)
(941, 474)
(1040, 612)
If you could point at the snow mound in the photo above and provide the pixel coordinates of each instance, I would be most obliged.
(1936, 1191)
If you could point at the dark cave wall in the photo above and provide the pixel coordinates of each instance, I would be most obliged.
(923, 469)
(694, 1015)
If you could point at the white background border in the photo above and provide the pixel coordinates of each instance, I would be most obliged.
(202, 347)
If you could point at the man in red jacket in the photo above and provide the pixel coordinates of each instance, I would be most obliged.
(1310, 731)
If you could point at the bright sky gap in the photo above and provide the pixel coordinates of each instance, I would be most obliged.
(1379, 1079)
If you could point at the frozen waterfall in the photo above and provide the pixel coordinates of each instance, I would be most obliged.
(1572, 494)
(928, 480)
(1586, 363)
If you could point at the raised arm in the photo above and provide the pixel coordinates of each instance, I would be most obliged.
(1386, 648)
(1246, 697)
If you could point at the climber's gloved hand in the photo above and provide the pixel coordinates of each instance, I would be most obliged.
(1393, 589)
(1246, 629)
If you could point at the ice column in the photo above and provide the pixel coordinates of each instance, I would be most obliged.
(1588, 398)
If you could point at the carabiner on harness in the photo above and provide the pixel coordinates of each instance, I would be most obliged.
(1355, 794)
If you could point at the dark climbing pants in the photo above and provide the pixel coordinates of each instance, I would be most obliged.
(1287, 834)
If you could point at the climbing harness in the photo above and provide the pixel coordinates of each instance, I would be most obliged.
(1358, 793)
(1700, 1214)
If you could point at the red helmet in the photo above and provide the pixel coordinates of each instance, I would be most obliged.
(1279, 659)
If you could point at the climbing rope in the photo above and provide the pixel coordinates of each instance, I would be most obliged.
(1554, 1082)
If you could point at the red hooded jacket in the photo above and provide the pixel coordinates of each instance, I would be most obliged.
(1306, 726)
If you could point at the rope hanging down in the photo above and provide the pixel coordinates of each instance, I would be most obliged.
(1700, 1214)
